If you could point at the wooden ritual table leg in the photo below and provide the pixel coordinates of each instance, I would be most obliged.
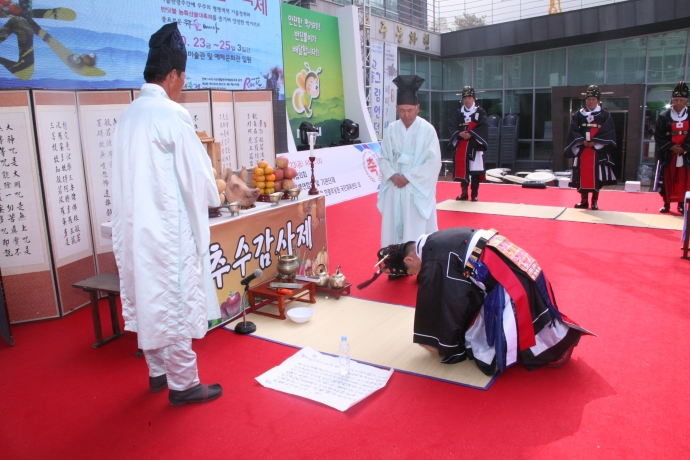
(281, 307)
(312, 293)
(96, 319)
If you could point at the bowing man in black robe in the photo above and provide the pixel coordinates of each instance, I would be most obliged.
(591, 139)
(672, 147)
(482, 297)
(469, 134)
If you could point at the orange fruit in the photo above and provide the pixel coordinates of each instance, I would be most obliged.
(270, 177)
(268, 169)
(263, 164)
(259, 171)
(261, 185)
(269, 184)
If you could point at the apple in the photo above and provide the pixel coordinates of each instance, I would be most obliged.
(282, 162)
(278, 173)
(290, 173)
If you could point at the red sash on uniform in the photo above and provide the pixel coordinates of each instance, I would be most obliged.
(677, 180)
(588, 165)
(461, 154)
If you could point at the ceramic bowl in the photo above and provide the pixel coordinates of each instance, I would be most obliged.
(300, 314)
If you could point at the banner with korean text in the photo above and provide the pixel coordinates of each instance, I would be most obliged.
(256, 238)
(376, 86)
(341, 173)
(313, 72)
(86, 44)
(389, 88)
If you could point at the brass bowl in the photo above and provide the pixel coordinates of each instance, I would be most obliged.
(234, 208)
(275, 198)
(294, 193)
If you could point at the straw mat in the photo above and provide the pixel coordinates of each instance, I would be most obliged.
(378, 333)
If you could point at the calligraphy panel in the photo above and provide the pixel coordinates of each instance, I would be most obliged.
(24, 258)
(62, 168)
(224, 127)
(99, 113)
(254, 128)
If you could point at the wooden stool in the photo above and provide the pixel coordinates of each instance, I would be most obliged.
(110, 284)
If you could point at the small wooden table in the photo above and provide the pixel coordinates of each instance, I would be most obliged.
(271, 297)
(110, 284)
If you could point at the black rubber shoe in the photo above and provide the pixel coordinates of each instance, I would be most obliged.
(159, 383)
(582, 205)
(462, 198)
(198, 393)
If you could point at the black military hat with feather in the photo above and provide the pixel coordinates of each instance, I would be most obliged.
(391, 261)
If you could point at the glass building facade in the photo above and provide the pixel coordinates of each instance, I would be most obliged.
(522, 84)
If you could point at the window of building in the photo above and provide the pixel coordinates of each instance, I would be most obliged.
(406, 64)
(667, 57)
(422, 70)
(457, 73)
(550, 68)
(586, 64)
(436, 80)
(488, 72)
(424, 102)
(626, 61)
(491, 102)
(519, 71)
(520, 101)
(437, 112)
(543, 128)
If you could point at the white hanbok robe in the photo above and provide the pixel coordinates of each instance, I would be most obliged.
(410, 211)
(162, 187)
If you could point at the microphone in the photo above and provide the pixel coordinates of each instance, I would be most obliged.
(257, 273)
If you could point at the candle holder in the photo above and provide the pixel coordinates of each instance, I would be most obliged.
(312, 141)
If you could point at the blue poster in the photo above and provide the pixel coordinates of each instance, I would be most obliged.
(87, 44)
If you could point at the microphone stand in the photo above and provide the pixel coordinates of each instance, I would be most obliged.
(245, 327)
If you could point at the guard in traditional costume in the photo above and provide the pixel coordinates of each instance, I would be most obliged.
(672, 147)
(482, 297)
(591, 140)
(410, 162)
(163, 185)
(469, 133)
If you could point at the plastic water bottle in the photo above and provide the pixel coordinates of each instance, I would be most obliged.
(344, 356)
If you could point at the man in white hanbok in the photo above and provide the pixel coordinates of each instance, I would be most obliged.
(410, 163)
(163, 185)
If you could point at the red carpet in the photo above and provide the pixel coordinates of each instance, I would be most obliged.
(623, 395)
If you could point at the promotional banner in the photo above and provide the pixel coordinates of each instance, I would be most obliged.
(376, 86)
(313, 72)
(389, 88)
(340, 173)
(85, 44)
(242, 244)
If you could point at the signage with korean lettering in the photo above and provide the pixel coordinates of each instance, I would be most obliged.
(389, 88)
(241, 245)
(313, 72)
(99, 113)
(104, 45)
(341, 174)
(224, 128)
(376, 86)
(254, 128)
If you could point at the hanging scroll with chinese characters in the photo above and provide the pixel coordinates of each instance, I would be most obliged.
(24, 258)
(254, 128)
(99, 113)
(62, 169)
(224, 127)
